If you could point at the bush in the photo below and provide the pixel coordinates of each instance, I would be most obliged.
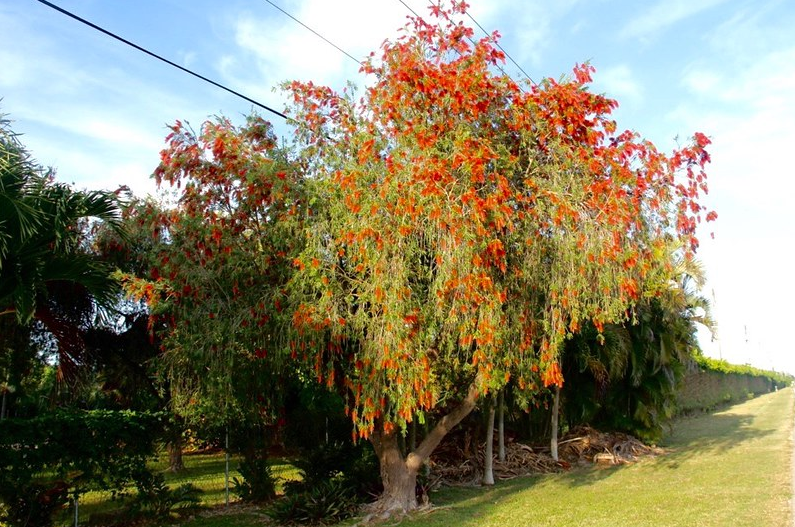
(328, 502)
(337, 478)
(355, 465)
(34, 504)
(76, 450)
(155, 499)
(258, 484)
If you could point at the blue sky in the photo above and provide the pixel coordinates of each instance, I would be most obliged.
(96, 110)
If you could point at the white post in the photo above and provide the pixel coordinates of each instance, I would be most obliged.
(501, 425)
(226, 469)
(555, 411)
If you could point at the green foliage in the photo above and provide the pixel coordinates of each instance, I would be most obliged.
(336, 478)
(155, 499)
(75, 450)
(40, 238)
(48, 272)
(32, 504)
(778, 379)
(355, 466)
(257, 484)
(328, 502)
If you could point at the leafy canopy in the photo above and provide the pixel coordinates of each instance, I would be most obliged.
(464, 225)
(218, 264)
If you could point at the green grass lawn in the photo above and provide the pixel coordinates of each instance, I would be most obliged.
(729, 468)
(206, 471)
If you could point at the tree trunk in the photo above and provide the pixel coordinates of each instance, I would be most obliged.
(174, 447)
(501, 425)
(399, 473)
(488, 462)
(555, 407)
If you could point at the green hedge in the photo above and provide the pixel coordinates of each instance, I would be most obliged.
(43, 458)
(776, 378)
(714, 382)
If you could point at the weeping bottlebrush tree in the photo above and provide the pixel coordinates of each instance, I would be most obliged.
(462, 227)
(214, 273)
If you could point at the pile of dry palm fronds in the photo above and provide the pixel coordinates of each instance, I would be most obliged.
(451, 465)
(457, 462)
(584, 445)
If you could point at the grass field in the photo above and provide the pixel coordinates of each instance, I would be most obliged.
(729, 468)
(206, 471)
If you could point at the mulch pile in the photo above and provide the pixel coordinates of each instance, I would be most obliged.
(586, 446)
(452, 463)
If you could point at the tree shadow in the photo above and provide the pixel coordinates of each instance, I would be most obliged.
(701, 434)
(710, 434)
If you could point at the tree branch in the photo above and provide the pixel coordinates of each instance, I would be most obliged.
(447, 423)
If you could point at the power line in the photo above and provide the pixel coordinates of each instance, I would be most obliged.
(502, 49)
(409, 8)
(327, 41)
(474, 44)
(170, 63)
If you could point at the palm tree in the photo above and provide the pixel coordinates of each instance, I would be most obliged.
(47, 272)
(626, 378)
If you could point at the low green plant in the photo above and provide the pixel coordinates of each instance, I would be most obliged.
(42, 458)
(257, 484)
(356, 466)
(156, 499)
(329, 502)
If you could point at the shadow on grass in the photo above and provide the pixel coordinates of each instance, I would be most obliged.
(710, 434)
(690, 438)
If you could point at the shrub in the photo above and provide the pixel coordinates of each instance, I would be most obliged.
(355, 465)
(328, 502)
(258, 484)
(76, 450)
(156, 499)
(33, 504)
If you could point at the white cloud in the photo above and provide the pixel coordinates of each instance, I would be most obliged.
(748, 111)
(663, 14)
(528, 26)
(284, 50)
(619, 82)
(702, 81)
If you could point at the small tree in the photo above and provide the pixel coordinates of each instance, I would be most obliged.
(462, 227)
(215, 272)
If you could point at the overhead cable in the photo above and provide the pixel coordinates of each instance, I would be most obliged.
(502, 49)
(327, 41)
(155, 55)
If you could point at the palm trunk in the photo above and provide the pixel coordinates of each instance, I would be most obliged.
(488, 463)
(555, 408)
